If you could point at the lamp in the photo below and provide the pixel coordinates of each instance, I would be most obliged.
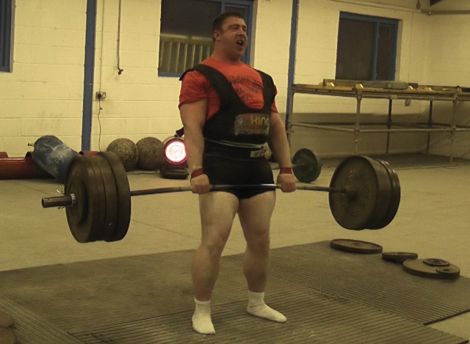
(174, 164)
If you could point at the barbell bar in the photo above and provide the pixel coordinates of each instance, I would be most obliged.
(71, 199)
(306, 166)
(97, 198)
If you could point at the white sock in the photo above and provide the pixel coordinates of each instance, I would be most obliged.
(257, 307)
(202, 322)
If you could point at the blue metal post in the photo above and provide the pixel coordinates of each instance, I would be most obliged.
(291, 71)
(88, 74)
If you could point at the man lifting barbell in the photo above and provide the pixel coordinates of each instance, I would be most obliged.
(364, 193)
(228, 113)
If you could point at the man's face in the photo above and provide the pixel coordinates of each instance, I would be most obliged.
(233, 38)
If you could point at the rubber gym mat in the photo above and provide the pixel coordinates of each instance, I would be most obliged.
(371, 280)
(31, 328)
(312, 318)
(323, 292)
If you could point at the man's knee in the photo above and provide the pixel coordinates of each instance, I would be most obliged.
(213, 248)
(259, 242)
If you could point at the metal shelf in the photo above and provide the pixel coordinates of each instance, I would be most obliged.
(383, 90)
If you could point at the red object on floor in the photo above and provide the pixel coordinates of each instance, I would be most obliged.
(20, 168)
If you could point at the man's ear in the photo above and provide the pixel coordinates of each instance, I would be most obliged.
(216, 34)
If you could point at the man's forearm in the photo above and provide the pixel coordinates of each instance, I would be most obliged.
(194, 142)
(193, 116)
(278, 142)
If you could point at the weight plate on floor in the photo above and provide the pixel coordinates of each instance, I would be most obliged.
(419, 268)
(398, 257)
(306, 165)
(362, 182)
(123, 195)
(436, 262)
(451, 271)
(355, 246)
(110, 195)
(86, 216)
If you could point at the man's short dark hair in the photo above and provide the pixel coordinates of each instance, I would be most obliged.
(219, 21)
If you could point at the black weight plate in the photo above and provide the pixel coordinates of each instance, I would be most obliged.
(355, 208)
(84, 217)
(398, 257)
(99, 203)
(355, 246)
(435, 262)
(110, 193)
(384, 196)
(306, 165)
(123, 195)
(379, 219)
(396, 194)
(78, 212)
(451, 271)
(419, 268)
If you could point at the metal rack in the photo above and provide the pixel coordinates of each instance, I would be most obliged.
(384, 90)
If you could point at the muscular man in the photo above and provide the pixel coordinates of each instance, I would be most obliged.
(228, 112)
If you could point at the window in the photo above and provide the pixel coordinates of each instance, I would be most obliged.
(5, 34)
(185, 31)
(366, 47)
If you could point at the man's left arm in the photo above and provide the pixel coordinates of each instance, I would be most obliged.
(280, 147)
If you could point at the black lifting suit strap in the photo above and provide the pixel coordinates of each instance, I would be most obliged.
(225, 90)
(227, 95)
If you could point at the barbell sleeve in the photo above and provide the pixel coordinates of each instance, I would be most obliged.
(68, 200)
(58, 201)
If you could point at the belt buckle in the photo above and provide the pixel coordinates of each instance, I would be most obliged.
(258, 153)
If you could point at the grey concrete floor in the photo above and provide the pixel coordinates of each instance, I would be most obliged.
(433, 220)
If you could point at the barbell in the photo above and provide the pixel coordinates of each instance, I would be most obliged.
(364, 193)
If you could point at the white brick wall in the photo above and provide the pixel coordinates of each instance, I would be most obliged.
(43, 95)
(316, 60)
(271, 43)
(448, 64)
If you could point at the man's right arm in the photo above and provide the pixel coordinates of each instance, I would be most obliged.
(193, 116)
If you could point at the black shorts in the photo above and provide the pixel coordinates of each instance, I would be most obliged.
(233, 171)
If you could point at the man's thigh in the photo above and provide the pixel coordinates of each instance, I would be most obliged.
(255, 214)
(217, 211)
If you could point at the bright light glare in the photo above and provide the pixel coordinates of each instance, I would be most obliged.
(175, 152)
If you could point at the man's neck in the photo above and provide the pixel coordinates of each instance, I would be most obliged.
(220, 56)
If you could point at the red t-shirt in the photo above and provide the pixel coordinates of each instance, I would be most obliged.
(246, 82)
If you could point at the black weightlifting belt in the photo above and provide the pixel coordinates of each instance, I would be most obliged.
(232, 150)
